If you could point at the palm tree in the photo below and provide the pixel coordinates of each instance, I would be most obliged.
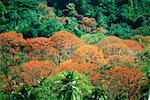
(68, 85)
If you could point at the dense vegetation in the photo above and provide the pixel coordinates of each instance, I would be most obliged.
(74, 49)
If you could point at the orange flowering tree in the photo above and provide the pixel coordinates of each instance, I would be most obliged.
(86, 68)
(88, 24)
(89, 54)
(40, 49)
(91, 70)
(121, 60)
(12, 41)
(120, 81)
(134, 46)
(65, 43)
(6, 84)
(146, 40)
(108, 40)
(11, 47)
(116, 49)
(32, 72)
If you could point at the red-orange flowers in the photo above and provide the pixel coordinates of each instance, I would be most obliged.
(40, 48)
(134, 46)
(125, 81)
(12, 41)
(66, 43)
(32, 72)
(89, 54)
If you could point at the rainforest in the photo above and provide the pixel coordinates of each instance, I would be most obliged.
(74, 50)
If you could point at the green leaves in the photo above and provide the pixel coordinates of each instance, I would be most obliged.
(69, 85)
(121, 30)
(23, 93)
(92, 38)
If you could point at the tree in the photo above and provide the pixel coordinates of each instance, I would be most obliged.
(28, 17)
(65, 43)
(11, 47)
(89, 54)
(134, 46)
(32, 72)
(108, 40)
(120, 81)
(40, 49)
(91, 70)
(121, 30)
(116, 49)
(121, 60)
(66, 85)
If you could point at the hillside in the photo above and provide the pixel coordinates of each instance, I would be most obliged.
(74, 49)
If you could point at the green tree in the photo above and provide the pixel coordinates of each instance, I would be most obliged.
(27, 17)
(68, 85)
(92, 38)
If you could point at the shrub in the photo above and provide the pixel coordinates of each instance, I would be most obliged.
(65, 43)
(92, 38)
(89, 54)
(66, 85)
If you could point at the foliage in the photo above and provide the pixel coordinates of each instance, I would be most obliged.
(6, 84)
(23, 93)
(116, 49)
(40, 49)
(108, 40)
(89, 54)
(87, 24)
(66, 85)
(97, 94)
(145, 31)
(120, 30)
(87, 69)
(34, 45)
(3, 96)
(134, 46)
(123, 81)
(66, 43)
(11, 45)
(71, 25)
(92, 38)
(29, 18)
(121, 60)
(32, 72)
